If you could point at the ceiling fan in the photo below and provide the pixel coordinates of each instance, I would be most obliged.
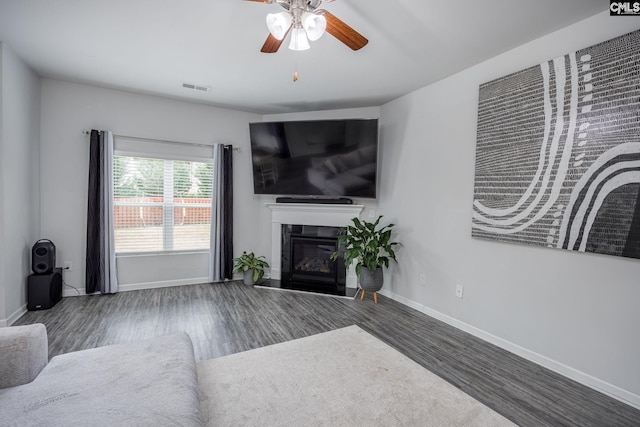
(306, 22)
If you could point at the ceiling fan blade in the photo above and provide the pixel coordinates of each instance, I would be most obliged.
(344, 33)
(272, 44)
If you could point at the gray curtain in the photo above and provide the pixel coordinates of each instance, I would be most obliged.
(221, 255)
(101, 257)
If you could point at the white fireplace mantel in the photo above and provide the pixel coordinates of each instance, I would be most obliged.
(328, 215)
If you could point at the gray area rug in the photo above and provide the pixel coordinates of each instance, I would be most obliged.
(345, 377)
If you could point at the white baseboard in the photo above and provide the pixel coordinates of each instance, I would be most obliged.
(68, 292)
(13, 316)
(163, 284)
(585, 379)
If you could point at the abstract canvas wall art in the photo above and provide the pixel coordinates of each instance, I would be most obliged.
(558, 152)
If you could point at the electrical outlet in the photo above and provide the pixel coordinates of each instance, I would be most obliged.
(459, 291)
(372, 214)
(67, 265)
(422, 279)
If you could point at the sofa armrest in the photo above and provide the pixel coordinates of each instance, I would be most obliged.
(24, 351)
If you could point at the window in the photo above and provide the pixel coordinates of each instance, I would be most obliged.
(161, 205)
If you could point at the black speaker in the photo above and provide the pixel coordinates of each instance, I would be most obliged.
(44, 290)
(43, 257)
(316, 200)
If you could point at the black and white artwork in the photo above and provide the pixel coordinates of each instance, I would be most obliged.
(558, 152)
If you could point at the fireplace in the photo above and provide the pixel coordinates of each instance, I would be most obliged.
(325, 220)
(306, 259)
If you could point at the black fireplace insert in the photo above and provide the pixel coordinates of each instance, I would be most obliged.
(306, 259)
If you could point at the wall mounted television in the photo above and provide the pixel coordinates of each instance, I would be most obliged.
(315, 158)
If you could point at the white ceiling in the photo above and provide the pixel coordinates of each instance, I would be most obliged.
(153, 46)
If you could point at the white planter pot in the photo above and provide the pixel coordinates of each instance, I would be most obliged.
(247, 277)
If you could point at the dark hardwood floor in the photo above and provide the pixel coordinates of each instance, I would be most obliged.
(222, 319)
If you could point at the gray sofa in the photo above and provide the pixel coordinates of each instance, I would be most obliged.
(147, 383)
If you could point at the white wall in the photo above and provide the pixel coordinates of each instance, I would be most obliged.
(19, 180)
(576, 313)
(68, 109)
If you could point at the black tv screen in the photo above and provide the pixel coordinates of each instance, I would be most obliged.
(332, 158)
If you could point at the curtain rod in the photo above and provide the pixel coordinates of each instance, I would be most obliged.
(165, 141)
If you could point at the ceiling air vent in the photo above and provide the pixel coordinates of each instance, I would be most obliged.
(193, 86)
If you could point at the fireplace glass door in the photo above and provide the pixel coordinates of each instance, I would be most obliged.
(311, 259)
(306, 259)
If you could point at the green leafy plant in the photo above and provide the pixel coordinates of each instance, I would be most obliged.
(248, 261)
(368, 243)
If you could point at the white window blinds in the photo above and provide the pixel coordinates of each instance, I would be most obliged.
(161, 203)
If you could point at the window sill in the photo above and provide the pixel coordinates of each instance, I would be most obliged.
(160, 253)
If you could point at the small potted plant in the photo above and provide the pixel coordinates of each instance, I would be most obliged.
(251, 266)
(370, 245)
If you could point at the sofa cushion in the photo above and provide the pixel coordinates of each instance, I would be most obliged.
(147, 383)
(368, 154)
(318, 162)
(332, 164)
(345, 183)
(24, 352)
(351, 160)
(367, 171)
(318, 177)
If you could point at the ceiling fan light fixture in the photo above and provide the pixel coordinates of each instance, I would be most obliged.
(314, 25)
(299, 40)
(278, 24)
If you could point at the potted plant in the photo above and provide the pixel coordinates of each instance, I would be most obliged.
(370, 245)
(251, 266)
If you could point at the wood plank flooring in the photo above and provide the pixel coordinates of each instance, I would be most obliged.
(227, 318)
